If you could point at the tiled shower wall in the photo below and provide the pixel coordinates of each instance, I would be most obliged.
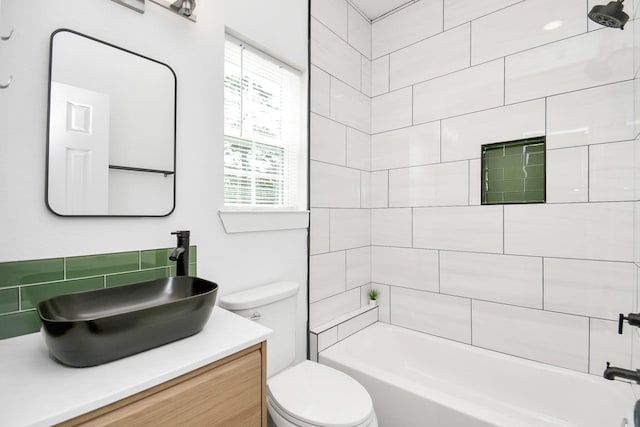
(395, 190)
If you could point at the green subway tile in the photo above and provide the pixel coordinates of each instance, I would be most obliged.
(534, 196)
(156, 258)
(493, 198)
(534, 184)
(9, 300)
(536, 171)
(32, 295)
(15, 324)
(514, 150)
(136, 276)
(26, 272)
(507, 185)
(193, 253)
(535, 159)
(505, 178)
(495, 151)
(516, 172)
(94, 265)
(193, 270)
(535, 148)
(513, 196)
(495, 174)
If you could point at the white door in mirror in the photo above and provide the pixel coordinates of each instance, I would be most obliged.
(78, 151)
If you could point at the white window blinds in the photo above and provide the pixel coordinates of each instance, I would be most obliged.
(262, 122)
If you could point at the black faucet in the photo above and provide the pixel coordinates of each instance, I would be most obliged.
(611, 373)
(181, 253)
(632, 318)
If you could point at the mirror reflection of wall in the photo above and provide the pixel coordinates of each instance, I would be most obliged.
(111, 142)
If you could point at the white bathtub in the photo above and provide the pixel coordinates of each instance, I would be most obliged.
(419, 380)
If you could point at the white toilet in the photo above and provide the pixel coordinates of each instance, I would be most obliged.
(307, 394)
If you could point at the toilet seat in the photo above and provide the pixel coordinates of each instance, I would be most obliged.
(311, 395)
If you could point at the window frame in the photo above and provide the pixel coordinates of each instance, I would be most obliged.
(296, 186)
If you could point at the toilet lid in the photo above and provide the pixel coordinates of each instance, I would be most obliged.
(320, 395)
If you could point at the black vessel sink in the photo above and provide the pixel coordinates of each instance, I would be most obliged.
(94, 327)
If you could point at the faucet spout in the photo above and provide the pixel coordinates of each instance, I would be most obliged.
(175, 254)
(612, 372)
(181, 253)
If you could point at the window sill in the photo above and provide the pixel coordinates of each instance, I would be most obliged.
(245, 221)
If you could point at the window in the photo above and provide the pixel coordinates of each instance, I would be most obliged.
(263, 132)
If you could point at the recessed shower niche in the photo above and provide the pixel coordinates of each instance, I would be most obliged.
(513, 172)
(111, 130)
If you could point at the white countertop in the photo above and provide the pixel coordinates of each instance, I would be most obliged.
(38, 391)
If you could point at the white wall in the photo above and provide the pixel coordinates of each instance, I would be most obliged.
(544, 282)
(195, 52)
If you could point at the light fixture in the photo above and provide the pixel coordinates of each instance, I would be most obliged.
(181, 7)
(184, 7)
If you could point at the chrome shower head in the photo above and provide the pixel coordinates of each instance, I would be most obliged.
(610, 15)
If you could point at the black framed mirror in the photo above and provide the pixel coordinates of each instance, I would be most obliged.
(111, 142)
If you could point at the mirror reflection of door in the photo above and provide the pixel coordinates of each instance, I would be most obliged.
(79, 157)
(112, 129)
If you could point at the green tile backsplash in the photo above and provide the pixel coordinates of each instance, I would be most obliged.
(23, 284)
(37, 271)
(9, 300)
(513, 172)
(32, 295)
(93, 265)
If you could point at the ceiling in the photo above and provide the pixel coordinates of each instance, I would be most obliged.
(374, 9)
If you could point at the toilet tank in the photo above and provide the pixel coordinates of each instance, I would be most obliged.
(274, 306)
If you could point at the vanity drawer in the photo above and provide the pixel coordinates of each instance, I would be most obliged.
(230, 392)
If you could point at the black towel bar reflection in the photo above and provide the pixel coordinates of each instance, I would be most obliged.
(130, 168)
(632, 318)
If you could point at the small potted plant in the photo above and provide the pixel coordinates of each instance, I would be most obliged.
(373, 296)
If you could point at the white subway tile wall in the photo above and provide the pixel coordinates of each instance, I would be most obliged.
(401, 108)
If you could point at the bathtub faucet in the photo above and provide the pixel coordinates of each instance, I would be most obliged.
(611, 373)
(632, 318)
(181, 253)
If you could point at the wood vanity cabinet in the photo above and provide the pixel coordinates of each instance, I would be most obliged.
(229, 392)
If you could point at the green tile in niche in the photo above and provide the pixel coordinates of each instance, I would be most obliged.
(491, 197)
(535, 148)
(535, 184)
(513, 172)
(32, 295)
(12, 325)
(534, 159)
(9, 300)
(536, 171)
(156, 258)
(136, 276)
(513, 196)
(507, 185)
(514, 150)
(534, 196)
(94, 265)
(193, 253)
(494, 151)
(517, 172)
(26, 272)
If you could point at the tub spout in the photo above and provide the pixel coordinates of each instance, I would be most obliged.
(612, 372)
